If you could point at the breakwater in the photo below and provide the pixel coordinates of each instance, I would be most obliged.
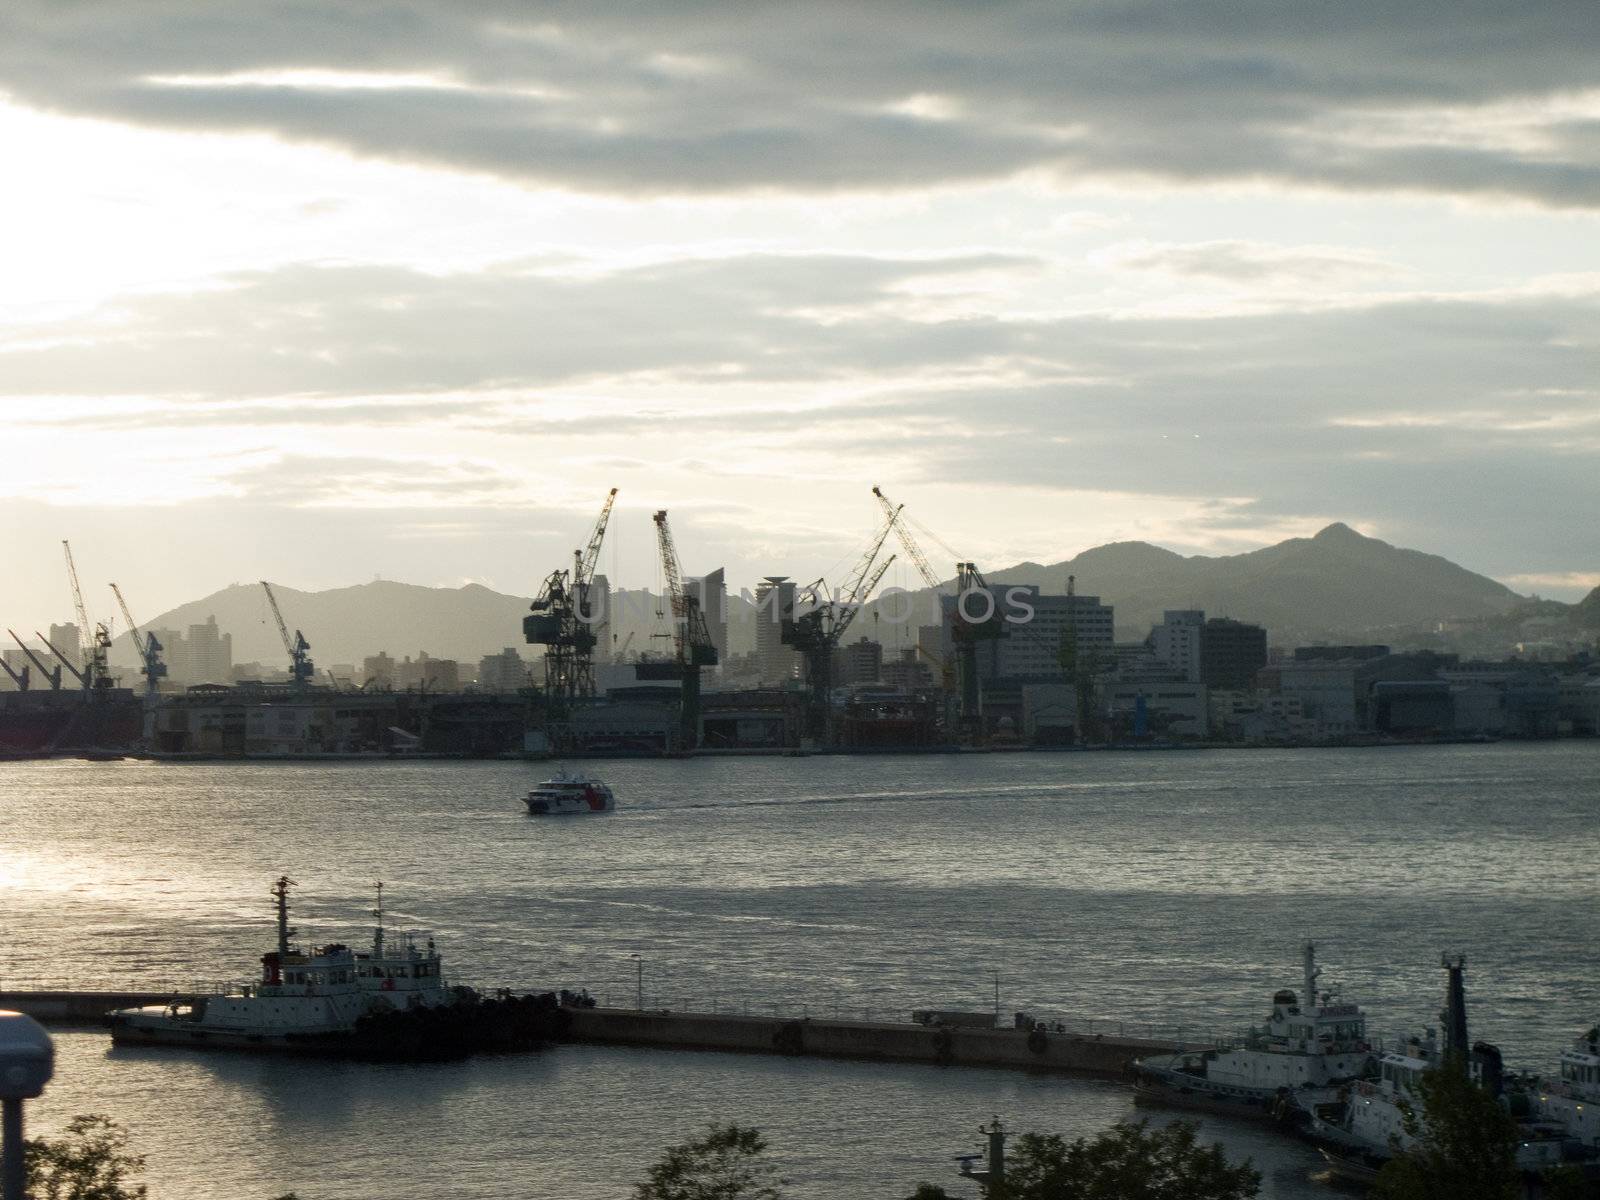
(950, 1045)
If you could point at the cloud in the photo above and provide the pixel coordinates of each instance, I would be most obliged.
(1466, 98)
(1245, 262)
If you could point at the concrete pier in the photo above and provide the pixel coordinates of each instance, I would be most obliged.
(1099, 1055)
(78, 1008)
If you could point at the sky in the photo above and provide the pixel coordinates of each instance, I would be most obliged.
(323, 293)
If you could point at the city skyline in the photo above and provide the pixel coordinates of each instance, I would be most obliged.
(403, 299)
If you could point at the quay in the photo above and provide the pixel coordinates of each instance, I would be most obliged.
(1103, 1055)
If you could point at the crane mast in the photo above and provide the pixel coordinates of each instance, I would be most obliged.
(93, 642)
(301, 668)
(562, 619)
(154, 670)
(907, 542)
(690, 636)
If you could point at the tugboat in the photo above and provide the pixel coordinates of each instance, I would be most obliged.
(390, 1002)
(1300, 1050)
(570, 794)
(1371, 1122)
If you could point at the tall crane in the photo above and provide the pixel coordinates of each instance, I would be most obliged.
(691, 639)
(562, 618)
(301, 669)
(818, 632)
(154, 670)
(967, 629)
(94, 643)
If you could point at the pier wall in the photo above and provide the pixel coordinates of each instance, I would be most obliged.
(870, 1040)
(75, 1007)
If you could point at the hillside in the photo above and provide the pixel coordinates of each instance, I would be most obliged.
(1336, 585)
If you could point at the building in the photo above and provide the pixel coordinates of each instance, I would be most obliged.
(859, 662)
(1231, 653)
(428, 674)
(907, 672)
(775, 599)
(712, 592)
(378, 670)
(1177, 709)
(600, 617)
(1034, 632)
(1176, 641)
(504, 672)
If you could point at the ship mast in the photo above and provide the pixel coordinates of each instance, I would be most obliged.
(1310, 952)
(280, 893)
(377, 932)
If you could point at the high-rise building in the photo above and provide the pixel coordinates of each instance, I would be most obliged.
(378, 670)
(599, 617)
(68, 639)
(505, 672)
(210, 653)
(1034, 632)
(861, 661)
(775, 608)
(1176, 641)
(1231, 652)
(712, 592)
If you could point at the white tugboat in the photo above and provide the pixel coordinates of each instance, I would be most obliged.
(570, 794)
(1372, 1121)
(1300, 1050)
(391, 1001)
(1573, 1100)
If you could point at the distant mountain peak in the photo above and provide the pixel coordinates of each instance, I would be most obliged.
(1339, 532)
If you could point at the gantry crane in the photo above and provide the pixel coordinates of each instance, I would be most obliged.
(967, 627)
(691, 639)
(817, 632)
(562, 619)
(301, 669)
(154, 670)
(93, 643)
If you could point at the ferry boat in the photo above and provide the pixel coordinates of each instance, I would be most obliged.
(570, 794)
(1300, 1050)
(389, 1001)
(1573, 1100)
(1372, 1120)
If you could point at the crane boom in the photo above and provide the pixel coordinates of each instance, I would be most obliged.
(842, 623)
(589, 557)
(907, 542)
(301, 668)
(85, 634)
(149, 649)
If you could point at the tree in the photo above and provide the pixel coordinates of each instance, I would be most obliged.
(726, 1164)
(89, 1162)
(1466, 1146)
(1129, 1161)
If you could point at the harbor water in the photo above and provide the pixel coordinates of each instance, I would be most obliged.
(1127, 890)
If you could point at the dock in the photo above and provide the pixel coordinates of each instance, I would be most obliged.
(1056, 1050)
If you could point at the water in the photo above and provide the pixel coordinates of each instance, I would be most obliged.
(1167, 888)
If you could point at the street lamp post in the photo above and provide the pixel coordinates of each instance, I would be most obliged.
(27, 1061)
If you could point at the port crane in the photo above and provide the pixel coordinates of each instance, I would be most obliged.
(94, 643)
(692, 644)
(562, 618)
(817, 632)
(301, 669)
(966, 630)
(52, 674)
(154, 670)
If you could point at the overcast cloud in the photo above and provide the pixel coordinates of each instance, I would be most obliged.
(1208, 274)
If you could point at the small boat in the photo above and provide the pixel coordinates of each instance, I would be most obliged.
(566, 794)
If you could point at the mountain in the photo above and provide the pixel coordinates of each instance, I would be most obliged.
(1337, 585)
(1586, 612)
(345, 625)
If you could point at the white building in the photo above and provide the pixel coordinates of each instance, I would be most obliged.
(1176, 641)
(1033, 629)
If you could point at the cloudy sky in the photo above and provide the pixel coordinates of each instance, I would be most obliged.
(320, 292)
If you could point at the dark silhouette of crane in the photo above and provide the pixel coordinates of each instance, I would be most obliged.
(301, 669)
(94, 642)
(817, 632)
(52, 674)
(692, 644)
(153, 670)
(563, 617)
